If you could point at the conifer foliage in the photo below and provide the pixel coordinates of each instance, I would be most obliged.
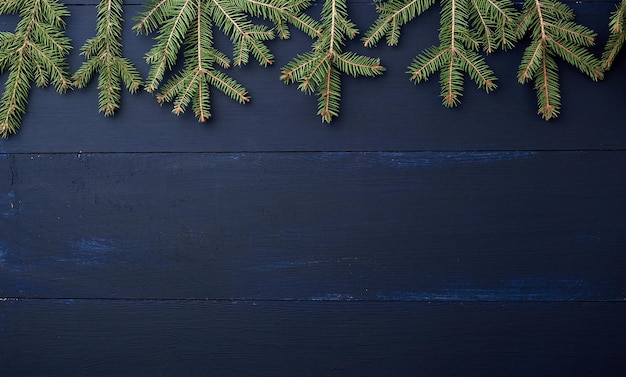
(319, 70)
(104, 55)
(467, 26)
(35, 53)
(617, 35)
(554, 33)
(188, 25)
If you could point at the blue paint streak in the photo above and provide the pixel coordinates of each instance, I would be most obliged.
(95, 245)
(334, 297)
(282, 265)
(588, 238)
(529, 289)
(88, 251)
(410, 160)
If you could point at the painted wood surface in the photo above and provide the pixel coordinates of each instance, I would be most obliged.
(204, 338)
(405, 239)
(496, 226)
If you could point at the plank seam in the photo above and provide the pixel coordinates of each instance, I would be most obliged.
(79, 153)
(251, 300)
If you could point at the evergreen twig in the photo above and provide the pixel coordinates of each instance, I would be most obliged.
(467, 26)
(188, 25)
(617, 35)
(553, 33)
(104, 55)
(282, 13)
(35, 53)
(319, 70)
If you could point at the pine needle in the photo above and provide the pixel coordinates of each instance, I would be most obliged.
(187, 26)
(35, 53)
(319, 70)
(617, 36)
(467, 26)
(553, 33)
(104, 55)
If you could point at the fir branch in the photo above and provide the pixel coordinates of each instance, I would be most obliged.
(617, 36)
(319, 70)
(281, 13)
(246, 37)
(466, 27)
(553, 33)
(174, 26)
(392, 16)
(35, 53)
(104, 55)
(150, 20)
(187, 26)
(494, 24)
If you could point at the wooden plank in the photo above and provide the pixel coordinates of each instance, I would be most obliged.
(164, 338)
(385, 113)
(495, 226)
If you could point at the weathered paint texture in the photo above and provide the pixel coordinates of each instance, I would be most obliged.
(405, 239)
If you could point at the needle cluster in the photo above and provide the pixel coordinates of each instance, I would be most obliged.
(466, 28)
(104, 55)
(554, 34)
(35, 53)
(617, 35)
(188, 25)
(319, 70)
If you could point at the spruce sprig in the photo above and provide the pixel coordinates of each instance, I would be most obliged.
(392, 15)
(617, 35)
(104, 55)
(319, 70)
(188, 25)
(282, 13)
(35, 53)
(467, 26)
(553, 34)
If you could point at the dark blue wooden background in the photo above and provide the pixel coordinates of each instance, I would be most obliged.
(404, 239)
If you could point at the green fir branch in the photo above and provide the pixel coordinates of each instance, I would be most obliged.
(319, 70)
(617, 36)
(553, 33)
(187, 26)
(282, 13)
(392, 15)
(467, 26)
(104, 55)
(35, 53)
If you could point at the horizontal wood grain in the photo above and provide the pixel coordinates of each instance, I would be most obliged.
(451, 226)
(73, 338)
(405, 239)
(385, 113)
